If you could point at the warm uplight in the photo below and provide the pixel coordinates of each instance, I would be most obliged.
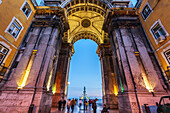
(66, 89)
(27, 71)
(116, 90)
(54, 89)
(147, 84)
(150, 90)
(25, 78)
(49, 81)
(20, 87)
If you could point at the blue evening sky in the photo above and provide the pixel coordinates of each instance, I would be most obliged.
(85, 69)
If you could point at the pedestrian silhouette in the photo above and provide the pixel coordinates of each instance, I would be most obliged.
(68, 105)
(73, 102)
(60, 104)
(94, 106)
(64, 103)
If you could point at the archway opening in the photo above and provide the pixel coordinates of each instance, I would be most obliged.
(85, 70)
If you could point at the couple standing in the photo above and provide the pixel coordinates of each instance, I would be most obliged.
(71, 103)
(61, 104)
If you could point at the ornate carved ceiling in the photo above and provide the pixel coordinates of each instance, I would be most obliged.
(86, 18)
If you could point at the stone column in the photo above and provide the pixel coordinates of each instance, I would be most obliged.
(127, 60)
(146, 60)
(62, 73)
(22, 65)
(38, 61)
(41, 69)
(108, 76)
(11, 98)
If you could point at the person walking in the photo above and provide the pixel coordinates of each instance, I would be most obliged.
(68, 105)
(86, 104)
(90, 102)
(94, 106)
(64, 103)
(60, 104)
(72, 103)
(80, 103)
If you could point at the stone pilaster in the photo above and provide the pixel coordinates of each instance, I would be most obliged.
(108, 77)
(22, 65)
(41, 69)
(38, 61)
(146, 60)
(62, 73)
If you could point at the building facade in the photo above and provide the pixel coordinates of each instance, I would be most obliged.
(154, 16)
(131, 73)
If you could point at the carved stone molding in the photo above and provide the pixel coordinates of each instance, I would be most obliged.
(50, 17)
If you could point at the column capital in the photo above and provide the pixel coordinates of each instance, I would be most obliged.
(120, 18)
(104, 50)
(51, 16)
(67, 50)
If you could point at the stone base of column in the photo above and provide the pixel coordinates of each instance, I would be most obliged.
(104, 99)
(150, 99)
(19, 101)
(43, 102)
(128, 103)
(56, 98)
(111, 101)
(11, 101)
(124, 103)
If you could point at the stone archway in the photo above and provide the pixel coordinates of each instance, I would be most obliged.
(85, 19)
(40, 71)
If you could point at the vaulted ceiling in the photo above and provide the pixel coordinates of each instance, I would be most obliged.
(86, 18)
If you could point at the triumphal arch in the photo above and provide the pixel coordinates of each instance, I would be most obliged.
(38, 78)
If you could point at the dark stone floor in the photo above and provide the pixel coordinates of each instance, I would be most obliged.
(81, 110)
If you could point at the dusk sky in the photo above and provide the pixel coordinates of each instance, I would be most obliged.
(85, 69)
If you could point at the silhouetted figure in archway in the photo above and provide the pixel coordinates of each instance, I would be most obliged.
(60, 104)
(80, 103)
(73, 102)
(94, 106)
(64, 103)
(86, 104)
(68, 105)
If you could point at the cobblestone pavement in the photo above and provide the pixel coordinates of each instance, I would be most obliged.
(81, 110)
